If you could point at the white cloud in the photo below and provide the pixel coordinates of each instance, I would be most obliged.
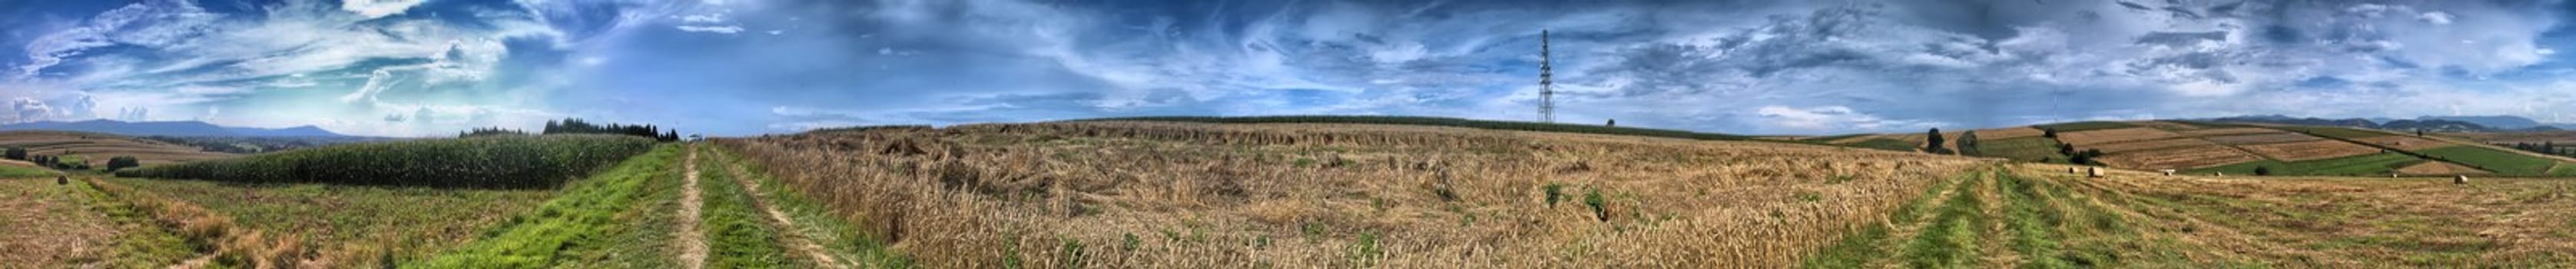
(727, 29)
(378, 8)
(704, 18)
(2436, 17)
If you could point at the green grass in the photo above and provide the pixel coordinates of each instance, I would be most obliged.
(406, 222)
(2048, 223)
(144, 243)
(1950, 239)
(489, 161)
(2499, 161)
(2363, 165)
(2028, 149)
(19, 171)
(2084, 126)
(2563, 170)
(2336, 132)
(621, 218)
(737, 236)
(1828, 139)
(1450, 122)
(1886, 144)
(841, 239)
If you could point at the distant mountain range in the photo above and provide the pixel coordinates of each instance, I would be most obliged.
(2427, 123)
(169, 128)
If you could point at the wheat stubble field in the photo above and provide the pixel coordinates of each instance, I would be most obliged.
(1151, 194)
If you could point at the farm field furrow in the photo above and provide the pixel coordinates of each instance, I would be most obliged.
(2263, 138)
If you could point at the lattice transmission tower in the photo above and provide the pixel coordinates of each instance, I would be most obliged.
(1546, 81)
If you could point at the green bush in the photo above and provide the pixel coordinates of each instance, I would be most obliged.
(493, 161)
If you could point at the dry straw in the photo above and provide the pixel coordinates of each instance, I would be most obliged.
(1152, 194)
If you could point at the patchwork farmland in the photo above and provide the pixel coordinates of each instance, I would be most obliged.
(2212, 148)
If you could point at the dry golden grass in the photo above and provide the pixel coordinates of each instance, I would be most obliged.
(2233, 131)
(2095, 137)
(2179, 158)
(1145, 194)
(2338, 222)
(2440, 168)
(2311, 150)
(2405, 142)
(2269, 138)
(2008, 133)
(2150, 144)
(233, 245)
(99, 147)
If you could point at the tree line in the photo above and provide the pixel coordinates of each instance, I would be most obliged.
(577, 126)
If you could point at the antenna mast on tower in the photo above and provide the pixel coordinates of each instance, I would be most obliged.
(1546, 81)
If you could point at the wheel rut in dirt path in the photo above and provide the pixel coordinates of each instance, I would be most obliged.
(795, 237)
(693, 242)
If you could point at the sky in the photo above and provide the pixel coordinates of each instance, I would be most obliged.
(745, 67)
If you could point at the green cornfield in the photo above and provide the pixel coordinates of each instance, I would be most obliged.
(492, 162)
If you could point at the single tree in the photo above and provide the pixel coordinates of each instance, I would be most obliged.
(2262, 170)
(122, 162)
(1968, 143)
(1932, 142)
(1612, 123)
(16, 153)
(2050, 133)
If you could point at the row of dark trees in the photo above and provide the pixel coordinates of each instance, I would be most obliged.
(119, 162)
(577, 126)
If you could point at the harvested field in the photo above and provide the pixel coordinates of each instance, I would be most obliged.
(46, 224)
(2150, 144)
(2311, 150)
(2095, 137)
(2270, 138)
(2232, 131)
(1133, 194)
(2405, 142)
(2179, 158)
(2440, 168)
(99, 147)
(2008, 133)
(2166, 125)
(2063, 128)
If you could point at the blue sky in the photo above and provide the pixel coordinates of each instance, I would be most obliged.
(739, 67)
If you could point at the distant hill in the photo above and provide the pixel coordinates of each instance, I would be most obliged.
(2426, 123)
(168, 128)
(2498, 122)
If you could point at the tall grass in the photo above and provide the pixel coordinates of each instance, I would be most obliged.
(617, 218)
(1158, 194)
(490, 161)
(1449, 122)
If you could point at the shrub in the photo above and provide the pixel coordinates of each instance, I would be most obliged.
(122, 162)
(2263, 171)
(494, 161)
(1555, 192)
(1600, 208)
(16, 153)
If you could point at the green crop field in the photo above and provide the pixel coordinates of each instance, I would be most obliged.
(488, 161)
(2364, 165)
(2502, 162)
(2022, 149)
(2085, 126)
(2563, 170)
(21, 171)
(1886, 144)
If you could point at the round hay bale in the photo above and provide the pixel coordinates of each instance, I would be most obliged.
(2460, 179)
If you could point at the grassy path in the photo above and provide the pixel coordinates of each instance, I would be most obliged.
(693, 242)
(1996, 218)
(797, 241)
